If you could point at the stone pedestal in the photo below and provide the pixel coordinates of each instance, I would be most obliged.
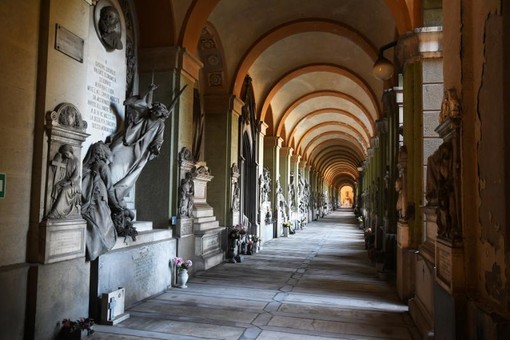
(184, 227)
(61, 233)
(266, 232)
(206, 229)
(405, 263)
(450, 266)
(421, 306)
(449, 292)
(62, 240)
(142, 267)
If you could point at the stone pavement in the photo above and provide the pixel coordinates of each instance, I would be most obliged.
(315, 284)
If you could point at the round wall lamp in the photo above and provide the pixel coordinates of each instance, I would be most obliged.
(383, 68)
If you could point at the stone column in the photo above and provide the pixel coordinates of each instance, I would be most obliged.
(171, 68)
(293, 189)
(206, 229)
(221, 129)
(420, 53)
(405, 253)
(272, 145)
(285, 155)
(265, 232)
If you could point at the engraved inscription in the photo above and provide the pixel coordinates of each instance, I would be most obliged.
(211, 243)
(63, 242)
(185, 227)
(101, 97)
(444, 265)
(144, 262)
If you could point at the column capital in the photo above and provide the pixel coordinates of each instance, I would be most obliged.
(295, 158)
(263, 128)
(273, 141)
(168, 58)
(222, 103)
(421, 43)
(286, 151)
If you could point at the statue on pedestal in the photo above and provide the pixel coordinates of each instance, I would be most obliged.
(112, 169)
(186, 193)
(440, 190)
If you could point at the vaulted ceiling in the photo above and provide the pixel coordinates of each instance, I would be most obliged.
(311, 67)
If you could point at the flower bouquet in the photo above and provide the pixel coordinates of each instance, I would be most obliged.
(180, 264)
(236, 231)
(287, 228)
(76, 329)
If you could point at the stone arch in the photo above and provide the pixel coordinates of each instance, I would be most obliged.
(299, 26)
(341, 71)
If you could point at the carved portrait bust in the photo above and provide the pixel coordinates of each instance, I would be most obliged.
(109, 28)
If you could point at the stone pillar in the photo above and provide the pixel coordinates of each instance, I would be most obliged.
(265, 232)
(222, 127)
(405, 253)
(285, 155)
(272, 145)
(235, 189)
(293, 190)
(420, 53)
(171, 68)
(206, 229)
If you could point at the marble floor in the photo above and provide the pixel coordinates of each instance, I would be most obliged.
(315, 284)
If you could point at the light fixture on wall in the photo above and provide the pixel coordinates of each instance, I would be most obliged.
(383, 68)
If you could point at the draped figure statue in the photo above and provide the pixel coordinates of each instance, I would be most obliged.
(96, 194)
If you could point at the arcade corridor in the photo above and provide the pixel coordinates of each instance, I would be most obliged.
(136, 132)
(315, 284)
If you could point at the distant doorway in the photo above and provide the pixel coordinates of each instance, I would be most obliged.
(346, 196)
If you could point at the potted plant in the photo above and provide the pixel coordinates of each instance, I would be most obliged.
(182, 271)
(76, 329)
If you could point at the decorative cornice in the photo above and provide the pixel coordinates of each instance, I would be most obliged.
(421, 43)
(273, 141)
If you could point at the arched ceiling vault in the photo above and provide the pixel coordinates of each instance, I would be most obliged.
(325, 141)
(327, 148)
(310, 66)
(340, 181)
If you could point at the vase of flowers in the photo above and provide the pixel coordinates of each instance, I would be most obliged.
(182, 271)
(286, 228)
(78, 329)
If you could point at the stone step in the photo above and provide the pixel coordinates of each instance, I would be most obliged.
(204, 219)
(203, 213)
(205, 226)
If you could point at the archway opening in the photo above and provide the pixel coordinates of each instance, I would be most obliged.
(346, 197)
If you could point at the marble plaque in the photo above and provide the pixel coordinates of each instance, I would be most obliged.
(443, 266)
(106, 85)
(64, 240)
(210, 243)
(184, 227)
(102, 96)
(69, 43)
(450, 272)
